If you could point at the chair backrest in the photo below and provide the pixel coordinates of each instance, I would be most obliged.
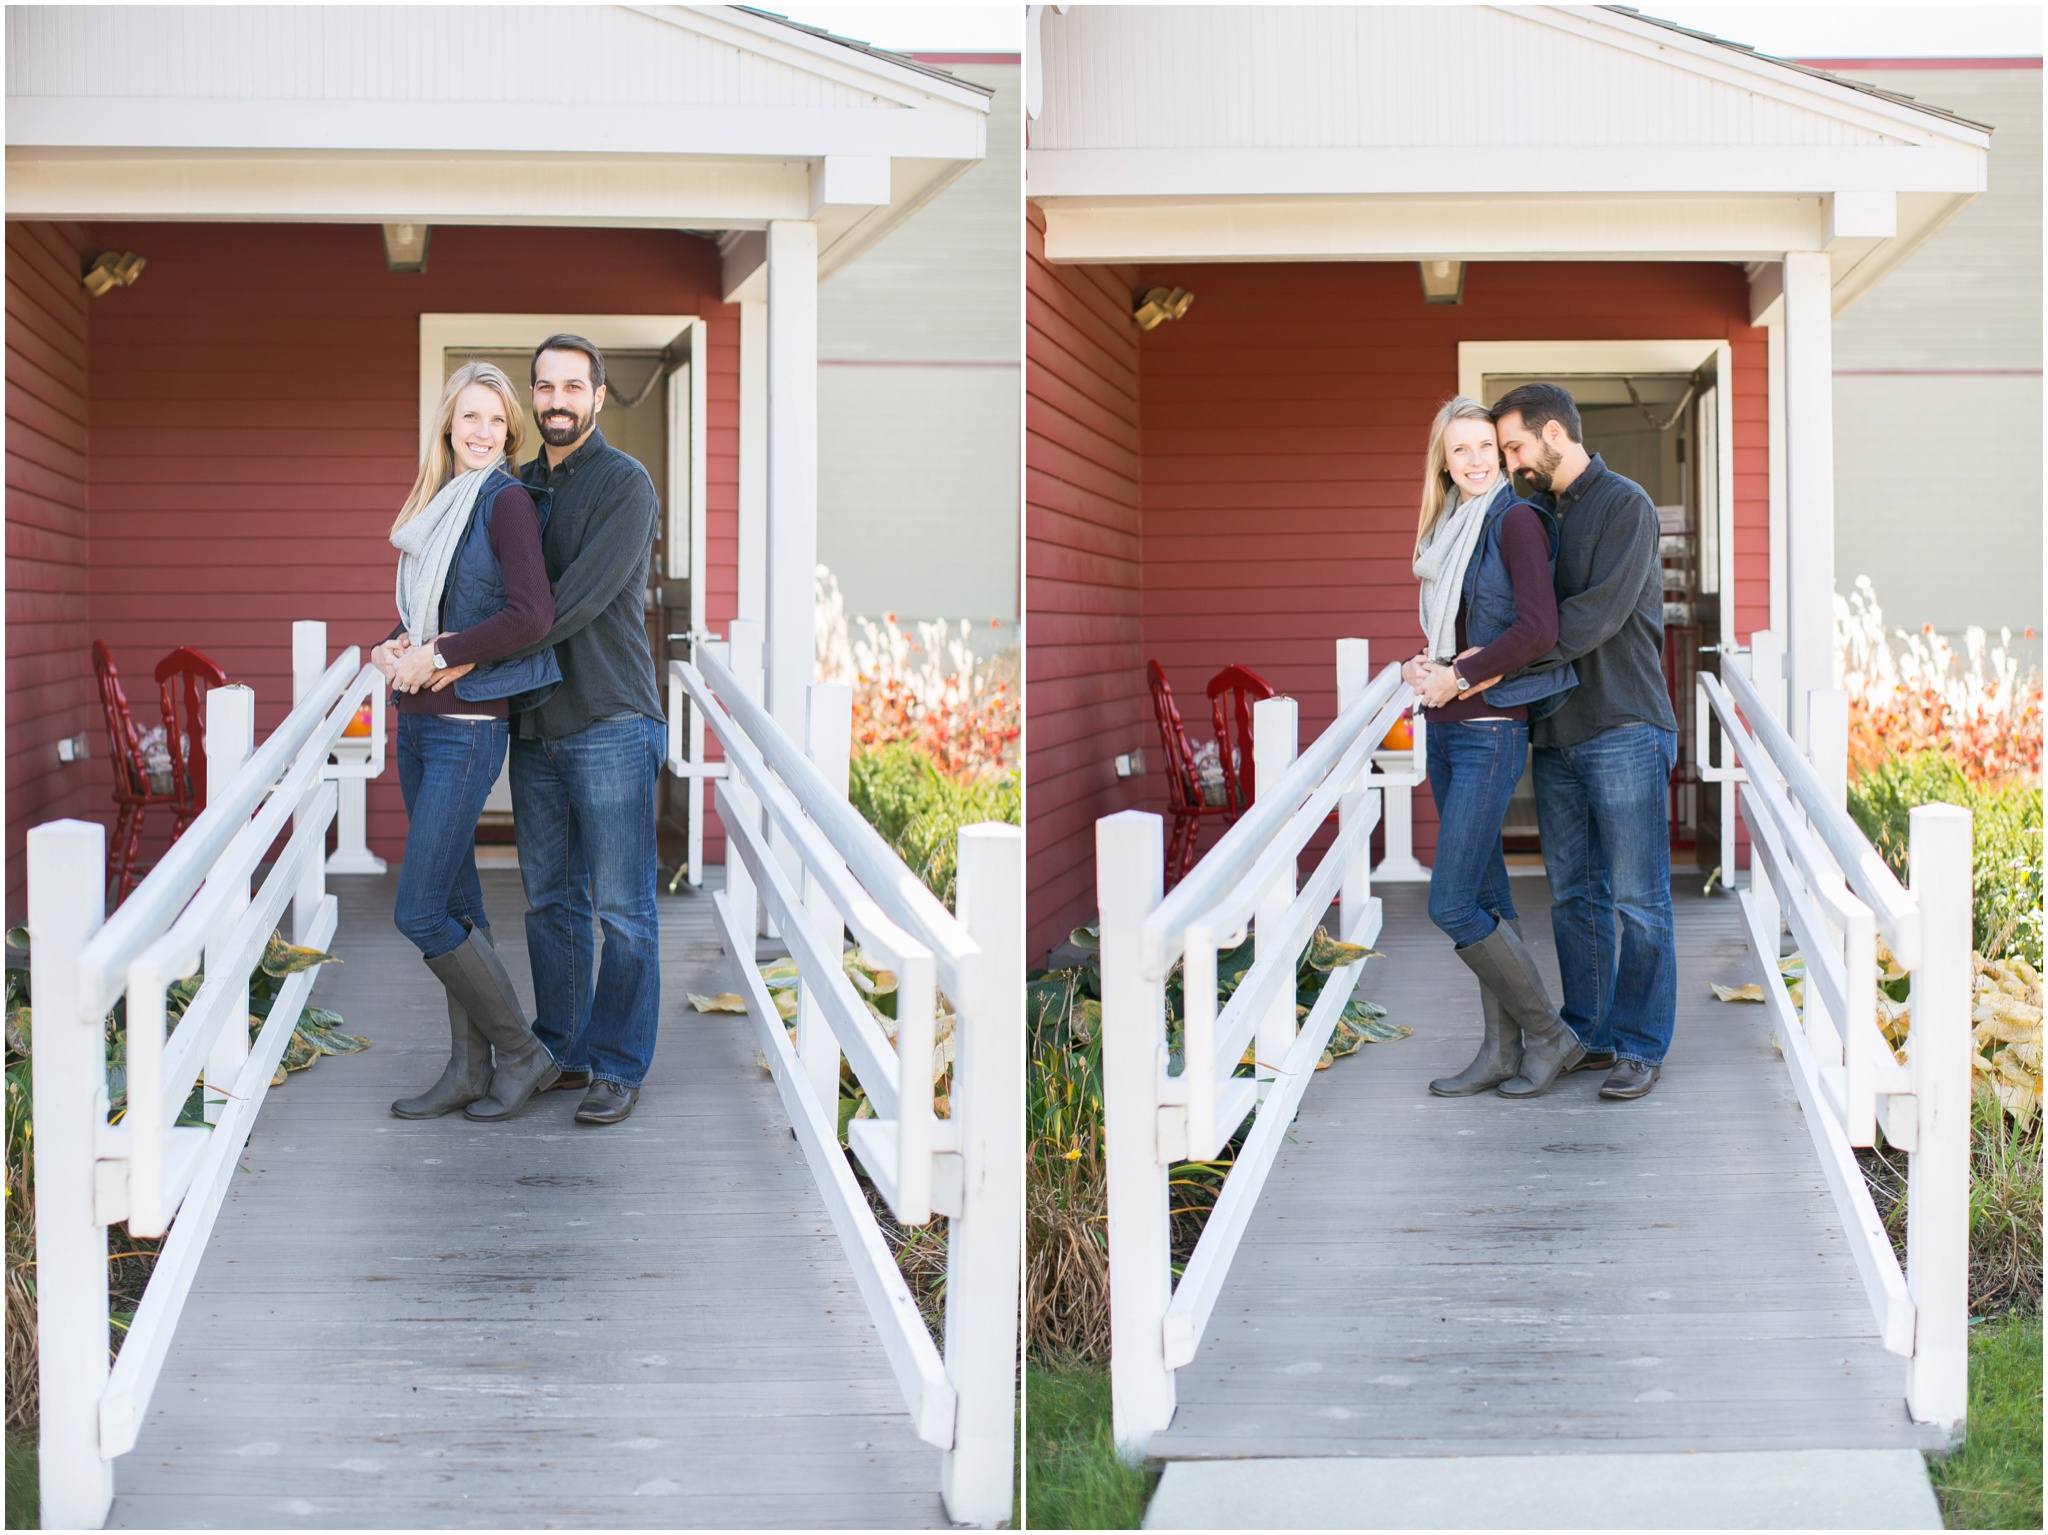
(123, 741)
(1232, 692)
(1182, 790)
(182, 680)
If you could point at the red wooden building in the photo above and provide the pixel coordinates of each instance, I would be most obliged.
(1376, 208)
(215, 451)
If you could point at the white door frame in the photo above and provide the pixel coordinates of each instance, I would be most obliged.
(1476, 359)
(686, 472)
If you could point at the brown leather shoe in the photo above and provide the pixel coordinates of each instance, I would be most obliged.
(1630, 1079)
(606, 1103)
(570, 1081)
(1596, 1060)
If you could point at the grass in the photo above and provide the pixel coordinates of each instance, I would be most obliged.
(1994, 1481)
(1076, 1479)
(22, 1493)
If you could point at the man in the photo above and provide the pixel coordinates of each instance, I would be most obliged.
(587, 761)
(1602, 762)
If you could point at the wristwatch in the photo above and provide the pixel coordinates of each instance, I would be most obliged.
(441, 664)
(1457, 677)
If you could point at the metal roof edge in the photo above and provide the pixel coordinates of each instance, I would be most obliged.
(882, 55)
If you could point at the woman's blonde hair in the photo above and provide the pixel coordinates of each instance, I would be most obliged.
(437, 464)
(1437, 484)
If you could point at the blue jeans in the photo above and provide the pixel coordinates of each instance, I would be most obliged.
(445, 771)
(1473, 765)
(584, 806)
(1601, 806)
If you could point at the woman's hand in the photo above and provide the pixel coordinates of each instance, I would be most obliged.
(1415, 671)
(414, 669)
(1439, 686)
(385, 656)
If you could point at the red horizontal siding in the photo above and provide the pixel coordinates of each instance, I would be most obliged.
(50, 691)
(1085, 696)
(254, 414)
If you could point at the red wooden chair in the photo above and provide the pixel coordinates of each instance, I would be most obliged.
(1232, 692)
(1183, 789)
(183, 678)
(133, 795)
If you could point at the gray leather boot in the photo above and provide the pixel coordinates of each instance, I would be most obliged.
(476, 977)
(1500, 1050)
(1549, 1048)
(466, 1077)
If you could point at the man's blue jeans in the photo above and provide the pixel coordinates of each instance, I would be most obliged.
(445, 771)
(1601, 806)
(1473, 766)
(584, 807)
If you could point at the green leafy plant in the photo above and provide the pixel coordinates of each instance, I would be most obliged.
(919, 810)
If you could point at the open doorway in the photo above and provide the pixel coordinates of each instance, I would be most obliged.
(1657, 414)
(654, 411)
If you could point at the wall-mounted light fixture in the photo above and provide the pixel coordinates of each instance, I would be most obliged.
(1443, 282)
(107, 271)
(405, 247)
(1158, 305)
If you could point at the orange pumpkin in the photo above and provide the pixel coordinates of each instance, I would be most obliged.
(1401, 738)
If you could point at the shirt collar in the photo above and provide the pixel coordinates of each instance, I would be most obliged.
(1595, 467)
(537, 471)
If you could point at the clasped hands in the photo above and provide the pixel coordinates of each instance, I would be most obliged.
(409, 667)
(1437, 684)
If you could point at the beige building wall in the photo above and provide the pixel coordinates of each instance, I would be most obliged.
(920, 368)
(1938, 464)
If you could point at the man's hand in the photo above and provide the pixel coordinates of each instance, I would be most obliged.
(1481, 687)
(447, 675)
(414, 669)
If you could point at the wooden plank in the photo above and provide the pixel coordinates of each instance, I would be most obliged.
(1432, 1276)
(440, 1323)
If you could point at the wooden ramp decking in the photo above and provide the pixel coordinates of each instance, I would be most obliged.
(1433, 1277)
(533, 1324)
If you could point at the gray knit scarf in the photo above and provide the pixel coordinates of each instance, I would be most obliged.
(1440, 565)
(426, 549)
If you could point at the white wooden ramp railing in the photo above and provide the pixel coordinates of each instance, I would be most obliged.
(1813, 872)
(797, 848)
(194, 905)
(1154, 1118)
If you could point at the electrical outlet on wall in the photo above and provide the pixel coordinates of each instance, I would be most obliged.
(72, 748)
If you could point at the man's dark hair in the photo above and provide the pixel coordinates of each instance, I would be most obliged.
(564, 342)
(1538, 404)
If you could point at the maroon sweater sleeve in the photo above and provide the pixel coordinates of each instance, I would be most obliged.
(1525, 549)
(529, 610)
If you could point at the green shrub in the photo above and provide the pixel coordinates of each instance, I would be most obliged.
(919, 810)
(1994, 1481)
(1076, 1480)
(2006, 832)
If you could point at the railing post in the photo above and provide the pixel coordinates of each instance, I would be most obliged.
(309, 661)
(983, 1240)
(67, 902)
(744, 650)
(1354, 675)
(828, 742)
(698, 789)
(1276, 727)
(1129, 884)
(1938, 1172)
(230, 738)
(1767, 672)
(1827, 741)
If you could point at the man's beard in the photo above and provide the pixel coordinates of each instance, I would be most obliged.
(555, 434)
(1537, 476)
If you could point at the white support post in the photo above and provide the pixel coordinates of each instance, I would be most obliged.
(67, 902)
(699, 786)
(230, 738)
(1938, 1172)
(1276, 740)
(792, 468)
(309, 661)
(1354, 675)
(1767, 671)
(828, 742)
(1827, 741)
(1129, 884)
(743, 656)
(753, 549)
(1809, 476)
(1774, 373)
(984, 1242)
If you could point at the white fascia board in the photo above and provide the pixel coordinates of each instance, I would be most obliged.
(913, 184)
(1751, 72)
(628, 191)
(1502, 169)
(833, 61)
(1860, 266)
(1435, 228)
(168, 122)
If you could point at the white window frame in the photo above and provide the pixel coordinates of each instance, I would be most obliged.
(685, 490)
(1477, 359)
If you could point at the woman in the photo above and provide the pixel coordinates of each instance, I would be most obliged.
(1485, 557)
(472, 589)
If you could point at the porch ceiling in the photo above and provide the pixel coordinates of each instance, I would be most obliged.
(1401, 133)
(708, 118)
